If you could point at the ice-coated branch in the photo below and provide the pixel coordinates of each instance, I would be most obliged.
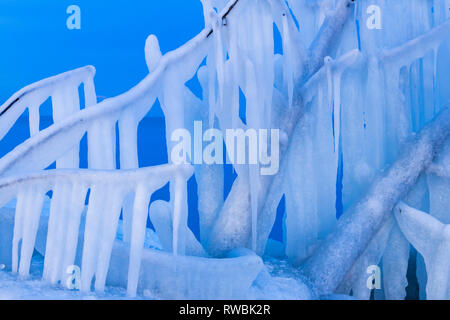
(48, 85)
(276, 191)
(328, 266)
(107, 194)
(418, 47)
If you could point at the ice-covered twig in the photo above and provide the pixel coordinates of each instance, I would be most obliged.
(410, 51)
(48, 85)
(68, 201)
(330, 263)
(418, 47)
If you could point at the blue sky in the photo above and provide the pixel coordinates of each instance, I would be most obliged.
(36, 42)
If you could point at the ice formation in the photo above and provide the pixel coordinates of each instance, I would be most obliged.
(430, 237)
(101, 219)
(346, 99)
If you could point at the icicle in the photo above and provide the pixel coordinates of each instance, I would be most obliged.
(288, 68)
(254, 121)
(57, 221)
(61, 213)
(327, 62)
(326, 163)
(34, 118)
(236, 62)
(396, 117)
(62, 236)
(128, 129)
(18, 229)
(140, 214)
(251, 37)
(260, 42)
(90, 96)
(267, 64)
(435, 81)
(334, 100)
(215, 61)
(337, 110)
(97, 199)
(212, 74)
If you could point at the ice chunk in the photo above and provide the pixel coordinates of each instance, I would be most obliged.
(185, 277)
